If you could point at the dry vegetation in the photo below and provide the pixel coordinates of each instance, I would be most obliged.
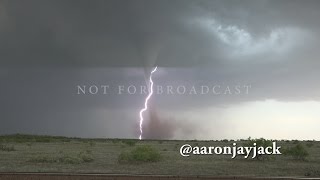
(28, 153)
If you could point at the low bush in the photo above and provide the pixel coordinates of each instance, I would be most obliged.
(42, 159)
(140, 154)
(259, 143)
(309, 144)
(86, 156)
(295, 141)
(23, 138)
(115, 141)
(92, 143)
(7, 148)
(129, 142)
(82, 157)
(298, 152)
(312, 171)
(29, 144)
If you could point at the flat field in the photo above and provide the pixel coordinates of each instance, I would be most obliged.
(28, 153)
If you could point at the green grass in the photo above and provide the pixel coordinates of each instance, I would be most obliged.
(298, 152)
(75, 158)
(60, 154)
(140, 154)
(129, 142)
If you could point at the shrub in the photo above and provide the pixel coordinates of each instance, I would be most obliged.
(92, 143)
(115, 141)
(297, 152)
(312, 171)
(7, 148)
(129, 142)
(42, 159)
(259, 143)
(295, 141)
(29, 144)
(86, 156)
(23, 138)
(176, 147)
(309, 144)
(140, 154)
(82, 157)
(69, 159)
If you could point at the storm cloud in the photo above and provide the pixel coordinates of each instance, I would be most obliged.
(48, 48)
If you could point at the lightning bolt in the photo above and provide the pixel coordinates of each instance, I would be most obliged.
(146, 101)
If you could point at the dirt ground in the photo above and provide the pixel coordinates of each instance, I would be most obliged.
(53, 176)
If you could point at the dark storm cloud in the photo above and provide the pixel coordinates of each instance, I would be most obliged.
(101, 33)
(125, 33)
(48, 47)
(78, 32)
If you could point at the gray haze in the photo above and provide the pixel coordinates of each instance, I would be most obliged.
(49, 47)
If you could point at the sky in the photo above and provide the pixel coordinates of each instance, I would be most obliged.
(48, 49)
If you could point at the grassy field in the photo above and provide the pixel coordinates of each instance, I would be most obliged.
(28, 153)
